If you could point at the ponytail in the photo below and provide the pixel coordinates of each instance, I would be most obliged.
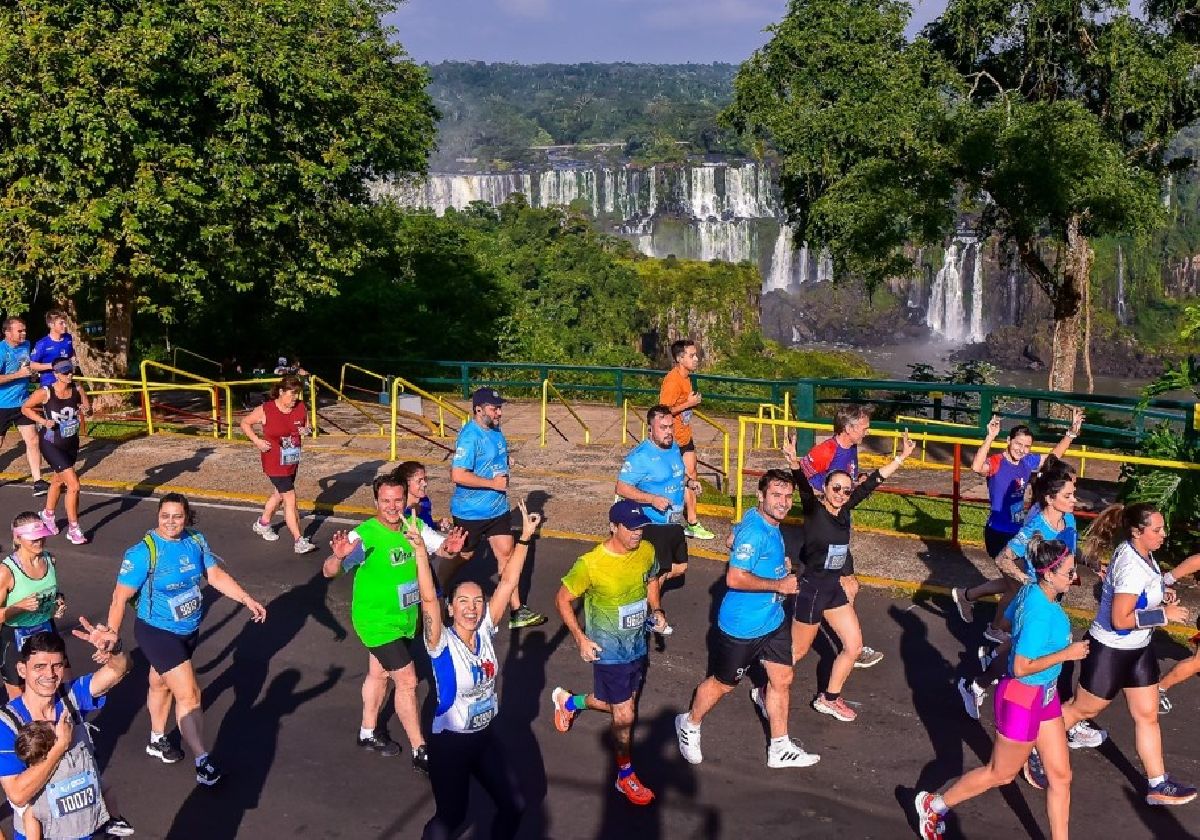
(1114, 525)
(1045, 555)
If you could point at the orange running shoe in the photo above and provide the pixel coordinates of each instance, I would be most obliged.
(563, 717)
(634, 790)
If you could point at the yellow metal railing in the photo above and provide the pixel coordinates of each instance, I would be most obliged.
(547, 389)
(175, 351)
(724, 441)
(313, 382)
(400, 384)
(625, 406)
(383, 380)
(211, 383)
(901, 418)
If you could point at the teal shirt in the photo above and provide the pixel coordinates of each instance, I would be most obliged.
(1040, 627)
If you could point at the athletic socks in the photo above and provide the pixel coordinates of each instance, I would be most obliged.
(364, 733)
(832, 696)
(939, 806)
(200, 759)
(1156, 781)
(624, 766)
(780, 742)
(576, 703)
(154, 736)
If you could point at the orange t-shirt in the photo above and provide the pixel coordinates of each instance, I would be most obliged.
(675, 390)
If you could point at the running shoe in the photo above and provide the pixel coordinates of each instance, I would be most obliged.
(1034, 772)
(380, 742)
(995, 634)
(525, 617)
(689, 739)
(162, 749)
(634, 790)
(758, 698)
(563, 717)
(420, 760)
(264, 531)
(1084, 734)
(929, 822)
(698, 532)
(303, 546)
(1164, 702)
(207, 773)
(790, 754)
(972, 697)
(41, 487)
(966, 611)
(834, 708)
(75, 534)
(48, 520)
(986, 657)
(117, 827)
(1170, 792)
(868, 657)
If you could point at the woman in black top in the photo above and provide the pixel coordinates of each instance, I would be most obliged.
(58, 411)
(827, 570)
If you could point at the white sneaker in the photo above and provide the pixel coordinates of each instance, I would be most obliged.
(995, 634)
(264, 531)
(790, 754)
(972, 697)
(302, 546)
(759, 701)
(689, 739)
(966, 610)
(1083, 734)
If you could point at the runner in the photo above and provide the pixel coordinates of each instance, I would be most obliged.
(840, 452)
(1008, 474)
(29, 591)
(1028, 711)
(412, 475)
(58, 410)
(465, 668)
(1186, 668)
(1134, 599)
(284, 422)
(653, 476)
(827, 582)
(165, 572)
(678, 394)
(618, 581)
(751, 627)
(383, 610)
(55, 345)
(480, 501)
(15, 372)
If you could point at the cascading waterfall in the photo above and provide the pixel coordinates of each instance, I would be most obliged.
(782, 262)
(947, 315)
(1122, 308)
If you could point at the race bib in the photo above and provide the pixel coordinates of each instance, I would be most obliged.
(20, 634)
(481, 712)
(835, 557)
(289, 452)
(410, 595)
(1017, 512)
(185, 605)
(632, 616)
(675, 517)
(77, 793)
(686, 417)
(68, 428)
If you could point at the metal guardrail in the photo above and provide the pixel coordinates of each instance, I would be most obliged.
(212, 383)
(175, 351)
(383, 380)
(399, 384)
(547, 389)
(724, 441)
(626, 405)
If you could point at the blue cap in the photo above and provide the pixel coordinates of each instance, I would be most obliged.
(629, 514)
(486, 396)
(64, 366)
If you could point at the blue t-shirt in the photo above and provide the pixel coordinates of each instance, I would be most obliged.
(170, 599)
(1006, 484)
(1039, 627)
(757, 548)
(13, 394)
(1037, 524)
(485, 453)
(48, 351)
(652, 469)
(80, 689)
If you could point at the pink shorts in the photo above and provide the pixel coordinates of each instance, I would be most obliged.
(1022, 708)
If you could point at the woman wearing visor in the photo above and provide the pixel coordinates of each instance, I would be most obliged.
(29, 594)
(58, 410)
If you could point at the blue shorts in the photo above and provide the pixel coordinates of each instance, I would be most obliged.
(616, 682)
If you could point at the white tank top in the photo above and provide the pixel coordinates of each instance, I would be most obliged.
(465, 680)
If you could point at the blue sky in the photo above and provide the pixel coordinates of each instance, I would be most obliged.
(568, 31)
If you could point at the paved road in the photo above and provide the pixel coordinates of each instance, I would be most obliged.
(283, 704)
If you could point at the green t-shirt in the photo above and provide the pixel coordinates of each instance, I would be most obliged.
(613, 587)
(385, 603)
(45, 588)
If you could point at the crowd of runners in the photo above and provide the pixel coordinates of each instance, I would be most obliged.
(410, 600)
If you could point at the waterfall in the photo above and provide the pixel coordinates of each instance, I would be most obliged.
(947, 314)
(610, 191)
(702, 192)
(1122, 308)
(652, 206)
(782, 262)
(976, 334)
(729, 241)
(824, 266)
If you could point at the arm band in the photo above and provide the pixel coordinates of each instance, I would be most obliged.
(1143, 619)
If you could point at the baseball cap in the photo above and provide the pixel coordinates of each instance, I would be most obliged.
(486, 396)
(64, 366)
(629, 514)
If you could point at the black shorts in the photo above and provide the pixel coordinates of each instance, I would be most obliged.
(12, 417)
(729, 657)
(60, 458)
(283, 483)
(1105, 671)
(670, 545)
(994, 541)
(690, 446)
(165, 650)
(817, 595)
(11, 639)
(479, 530)
(393, 655)
(617, 682)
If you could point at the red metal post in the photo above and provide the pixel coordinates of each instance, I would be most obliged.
(957, 488)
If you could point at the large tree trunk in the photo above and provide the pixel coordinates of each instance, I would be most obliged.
(112, 360)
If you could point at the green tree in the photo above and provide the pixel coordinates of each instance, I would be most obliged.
(1050, 119)
(154, 155)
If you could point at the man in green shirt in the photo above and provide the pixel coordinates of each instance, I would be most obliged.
(384, 610)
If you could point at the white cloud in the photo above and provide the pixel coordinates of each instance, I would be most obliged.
(689, 14)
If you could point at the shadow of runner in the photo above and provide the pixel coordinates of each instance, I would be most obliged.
(338, 487)
(156, 477)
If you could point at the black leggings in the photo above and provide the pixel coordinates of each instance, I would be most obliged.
(453, 759)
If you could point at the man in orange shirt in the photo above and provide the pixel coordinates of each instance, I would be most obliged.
(678, 394)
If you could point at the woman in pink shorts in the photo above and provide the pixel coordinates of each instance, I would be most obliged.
(1026, 705)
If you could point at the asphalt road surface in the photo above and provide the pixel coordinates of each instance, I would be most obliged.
(282, 709)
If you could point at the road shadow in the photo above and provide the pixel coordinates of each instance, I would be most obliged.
(156, 477)
(335, 489)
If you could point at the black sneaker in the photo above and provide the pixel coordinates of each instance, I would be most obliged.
(41, 487)
(117, 827)
(207, 773)
(379, 742)
(525, 617)
(164, 750)
(421, 760)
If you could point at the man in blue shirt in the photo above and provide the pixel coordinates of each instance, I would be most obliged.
(15, 371)
(752, 626)
(479, 504)
(56, 344)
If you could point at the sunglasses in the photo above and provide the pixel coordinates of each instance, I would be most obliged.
(841, 488)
